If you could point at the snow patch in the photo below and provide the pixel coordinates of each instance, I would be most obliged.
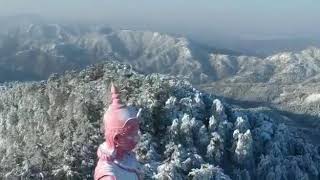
(312, 98)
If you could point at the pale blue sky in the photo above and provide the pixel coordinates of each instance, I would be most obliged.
(243, 18)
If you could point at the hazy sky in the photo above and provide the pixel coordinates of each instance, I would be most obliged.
(241, 18)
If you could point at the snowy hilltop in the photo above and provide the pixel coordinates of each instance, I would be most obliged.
(51, 130)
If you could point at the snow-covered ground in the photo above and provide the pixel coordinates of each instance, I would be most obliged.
(312, 98)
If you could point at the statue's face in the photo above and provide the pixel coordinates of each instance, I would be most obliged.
(128, 139)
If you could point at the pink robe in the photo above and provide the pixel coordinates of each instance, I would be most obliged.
(128, 168)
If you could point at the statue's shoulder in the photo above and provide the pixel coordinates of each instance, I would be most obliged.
(104, 168)
(129, 161)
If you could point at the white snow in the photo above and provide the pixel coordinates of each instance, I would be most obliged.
(312, 98)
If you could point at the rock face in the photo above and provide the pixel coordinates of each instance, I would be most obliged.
(51, 130)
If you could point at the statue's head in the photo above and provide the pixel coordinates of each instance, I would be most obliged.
(121, 124)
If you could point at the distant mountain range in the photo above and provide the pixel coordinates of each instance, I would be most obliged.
(35, 51)
(264, 46)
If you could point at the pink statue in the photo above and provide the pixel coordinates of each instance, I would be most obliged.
(116, 159)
